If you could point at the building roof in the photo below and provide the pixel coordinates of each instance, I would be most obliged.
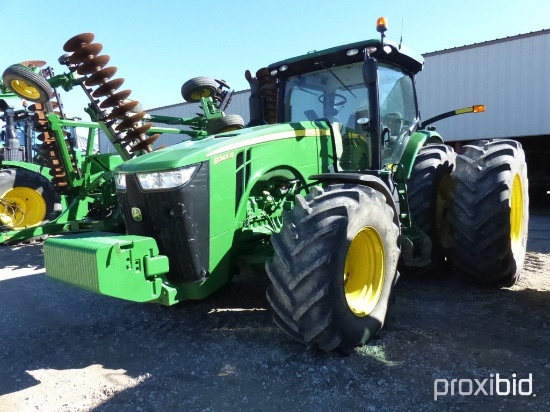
(488, 43)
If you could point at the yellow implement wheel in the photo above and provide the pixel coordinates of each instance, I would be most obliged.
(27, 84)
(195, 89)
(516, 214)
(225, 124)
(364, 271)
(22, 207)
(24, 89)
(200, 93)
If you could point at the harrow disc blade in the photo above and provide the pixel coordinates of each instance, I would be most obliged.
(121, 110)
(33, 63)
(114, 99)
(37, 106)
(93, 65)
(130, 121)
(39, 120)
(74, 43)
(143, 144)
(136, 132)
(108, 88)
(85, 53)
(100, 76)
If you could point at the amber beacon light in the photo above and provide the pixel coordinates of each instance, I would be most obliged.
(381, 24)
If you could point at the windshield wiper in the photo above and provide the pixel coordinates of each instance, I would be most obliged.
(337, 78)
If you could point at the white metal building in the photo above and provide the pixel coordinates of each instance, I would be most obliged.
(509, 76)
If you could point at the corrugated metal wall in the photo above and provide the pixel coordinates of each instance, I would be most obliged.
(507, 75)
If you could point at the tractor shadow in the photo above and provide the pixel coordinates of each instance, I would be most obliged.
(21, 256)
(452, 315)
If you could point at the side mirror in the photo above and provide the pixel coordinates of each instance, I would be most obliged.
(370, 70)
(370, 78)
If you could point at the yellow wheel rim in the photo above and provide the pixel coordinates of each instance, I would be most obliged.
(516, 213)
(197, 94)
(364, 271)
(22, 88)
(22, 207)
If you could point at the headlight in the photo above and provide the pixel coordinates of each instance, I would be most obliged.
(168, 179)
(120, 181)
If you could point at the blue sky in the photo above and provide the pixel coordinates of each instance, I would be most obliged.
(159, 45)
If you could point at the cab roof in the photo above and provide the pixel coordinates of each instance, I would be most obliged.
(401, 56)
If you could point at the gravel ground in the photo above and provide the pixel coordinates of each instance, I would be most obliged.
(63, 349)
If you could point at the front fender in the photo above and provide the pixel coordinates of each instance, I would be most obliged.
(374, 182)
(415, 143)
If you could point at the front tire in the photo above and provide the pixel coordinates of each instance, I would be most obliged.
(334, 267)
(489, 212)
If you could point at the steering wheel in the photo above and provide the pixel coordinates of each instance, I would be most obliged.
(342, 99)
(394, 121)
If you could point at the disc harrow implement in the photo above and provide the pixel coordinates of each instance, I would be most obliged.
(112, 106)
(50, 148)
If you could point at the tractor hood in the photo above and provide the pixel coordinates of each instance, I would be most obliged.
(219, 146)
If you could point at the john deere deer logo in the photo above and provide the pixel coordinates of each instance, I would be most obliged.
(136, 214)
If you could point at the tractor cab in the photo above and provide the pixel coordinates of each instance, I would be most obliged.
(372, 115)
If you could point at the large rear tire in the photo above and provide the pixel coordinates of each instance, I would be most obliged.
(489, 212)
(432, 166)
(334, 267)
(27, 199)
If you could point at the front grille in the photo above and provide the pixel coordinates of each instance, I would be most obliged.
(178, 219)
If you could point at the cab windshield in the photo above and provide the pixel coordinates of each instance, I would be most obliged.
(340, 96)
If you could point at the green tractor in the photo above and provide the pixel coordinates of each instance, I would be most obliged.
(65, 188)
(335, 183)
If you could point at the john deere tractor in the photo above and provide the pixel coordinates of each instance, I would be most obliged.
(335, 183)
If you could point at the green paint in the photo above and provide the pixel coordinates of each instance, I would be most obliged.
(126, 267)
